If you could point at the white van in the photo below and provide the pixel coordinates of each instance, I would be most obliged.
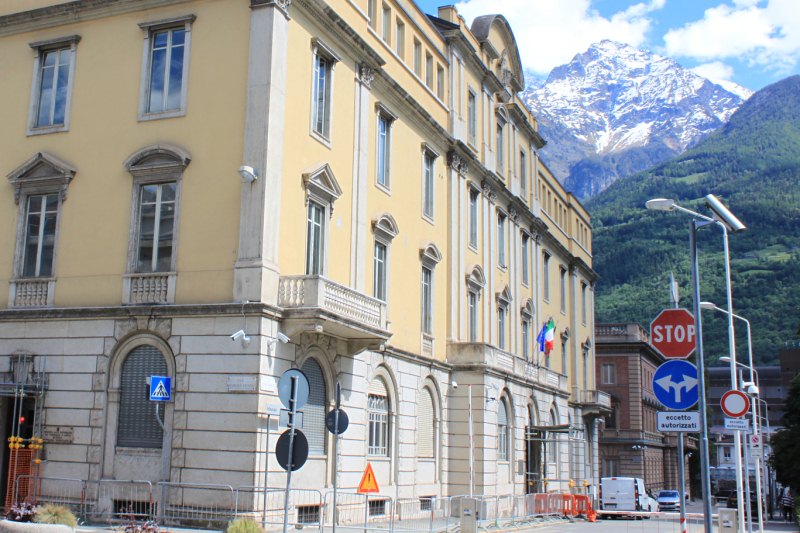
(625, 494)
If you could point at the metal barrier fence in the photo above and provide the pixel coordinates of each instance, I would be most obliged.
(628, 522)
(209, 506)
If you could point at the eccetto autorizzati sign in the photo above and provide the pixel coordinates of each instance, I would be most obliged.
(681, 422)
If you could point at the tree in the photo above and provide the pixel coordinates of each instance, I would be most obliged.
(785, 443)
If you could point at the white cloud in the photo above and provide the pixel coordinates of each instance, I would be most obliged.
(716, 71)
(757, 33)
(550, 32)
(721, 74)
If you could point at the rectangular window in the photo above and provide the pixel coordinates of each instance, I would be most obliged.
(523, 176)
(321, 91)
(156, 227)
(427, 300)
(474, 195)
(167, 54)
(386, 25)
(40, 236)
(526, 334)
(525, 257)
(427, 184)
(500, 149)
(400, 39)
(315, 239)
(417, 58)
(501, 240)
(378, 409)
(377, 508)
(583, 303)
(382, 161)
(379, 273)
(371, 8)
(472, 117)
(563, 290)
(53, 87)
(472, 299)
(429, 70)
(308, 514)
(546, 276)
(440, 82)
(608, 374)
(501, 328)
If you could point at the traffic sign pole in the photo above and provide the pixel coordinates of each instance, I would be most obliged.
(290, 463)
(336, 450)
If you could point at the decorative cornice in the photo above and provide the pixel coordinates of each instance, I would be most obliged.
(75, 11)
(488, 191)
(366, 75)
(283, 5)
(457, 163)
(513, 214)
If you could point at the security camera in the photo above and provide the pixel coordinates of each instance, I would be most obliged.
(454, 384)
(282, 337)
(751, 389)
(722, 214)
(240, 336)
(247, 173)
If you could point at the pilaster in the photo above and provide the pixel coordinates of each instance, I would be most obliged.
(256, 271)
(358, 250)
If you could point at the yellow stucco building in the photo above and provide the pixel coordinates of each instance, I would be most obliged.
(219, 191)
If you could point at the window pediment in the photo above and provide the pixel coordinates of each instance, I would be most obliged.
(385, 227)
(430, 255)
(475, 279)
(42, 173)
(527, 309)
(322, 185)
(158, 161)
(504, 297)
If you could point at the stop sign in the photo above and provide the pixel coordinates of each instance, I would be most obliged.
(672, 333)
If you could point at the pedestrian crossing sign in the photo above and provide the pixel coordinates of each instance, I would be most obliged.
(160, 388)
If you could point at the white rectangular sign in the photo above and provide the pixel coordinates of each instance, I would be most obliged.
(679, 421)
(755, 442)
(738, 424)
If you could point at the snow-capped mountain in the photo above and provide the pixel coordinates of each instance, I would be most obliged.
(615, 110)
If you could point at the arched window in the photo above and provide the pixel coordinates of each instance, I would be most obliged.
(378, 411)
(314, 411)
(426, 420)
(137, 426)
(552, 444)
(502, 431)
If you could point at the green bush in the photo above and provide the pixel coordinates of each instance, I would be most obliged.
(55, 514)
(244, 525)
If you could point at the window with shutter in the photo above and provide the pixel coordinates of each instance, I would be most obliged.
(137, 425)
(425, 425)
(502, 432)
(314, 410)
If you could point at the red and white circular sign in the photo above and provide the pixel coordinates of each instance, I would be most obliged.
(672, 333)
(735, 403)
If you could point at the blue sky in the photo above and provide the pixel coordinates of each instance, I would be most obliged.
(749, 42)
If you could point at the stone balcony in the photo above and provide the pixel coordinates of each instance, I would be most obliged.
(32, 292)
(486, 355)
(317, 304)
(592, 401)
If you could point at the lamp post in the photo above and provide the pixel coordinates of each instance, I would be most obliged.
(722, 217)
(767, 480)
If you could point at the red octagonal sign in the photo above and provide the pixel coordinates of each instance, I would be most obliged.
(672, 333)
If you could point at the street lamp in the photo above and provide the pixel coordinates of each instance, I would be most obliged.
(722, 217)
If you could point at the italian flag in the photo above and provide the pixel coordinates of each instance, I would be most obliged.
(546, 337)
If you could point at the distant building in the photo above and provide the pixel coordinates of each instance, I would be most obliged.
(630, 444)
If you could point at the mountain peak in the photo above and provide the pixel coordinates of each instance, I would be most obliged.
(615, 109)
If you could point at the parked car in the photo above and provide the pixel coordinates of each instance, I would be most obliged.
(731, 502)
(669, 500)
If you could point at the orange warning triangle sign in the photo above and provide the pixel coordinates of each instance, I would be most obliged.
(368, 481)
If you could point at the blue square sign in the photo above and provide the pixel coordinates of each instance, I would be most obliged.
(160, 388)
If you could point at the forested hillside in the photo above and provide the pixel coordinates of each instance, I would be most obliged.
(753, 165)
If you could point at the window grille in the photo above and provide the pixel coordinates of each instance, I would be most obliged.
(378, 409)
(425, 423)
(137, 426)
(315, 408)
